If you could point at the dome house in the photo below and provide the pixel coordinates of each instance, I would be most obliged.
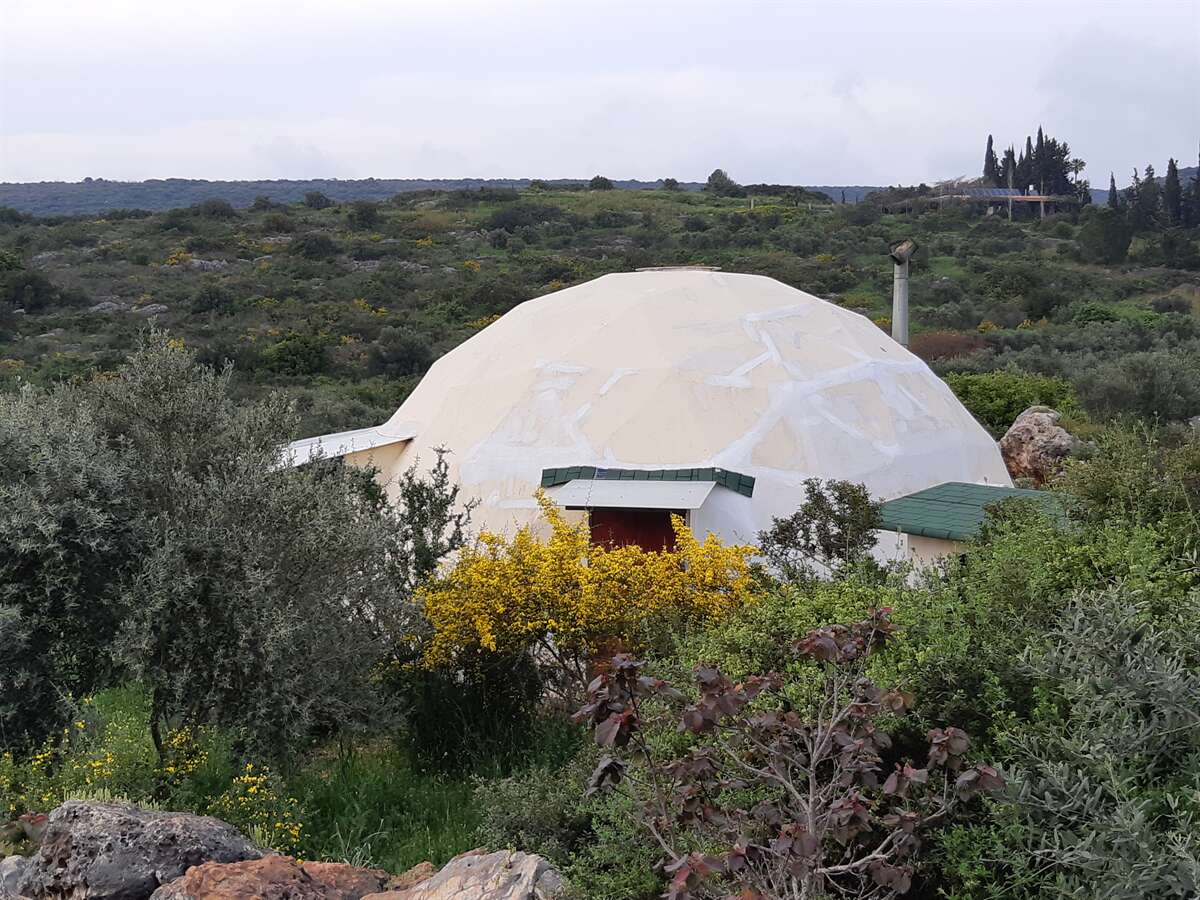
(710, 394)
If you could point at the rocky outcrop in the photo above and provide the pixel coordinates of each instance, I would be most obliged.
(11, 869)
(479, 875)
(414, 876)
(207, 265)
(274, 878)
(106, 851)
(1036, 446)
(195, 265)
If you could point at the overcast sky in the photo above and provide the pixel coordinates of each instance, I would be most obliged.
(794, 92)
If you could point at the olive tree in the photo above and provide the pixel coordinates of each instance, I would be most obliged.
(66, 543)
(156, 532)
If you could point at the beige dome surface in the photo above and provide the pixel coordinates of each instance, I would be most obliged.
(680, 368)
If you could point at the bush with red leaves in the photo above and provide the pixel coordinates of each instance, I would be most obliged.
(772, 804)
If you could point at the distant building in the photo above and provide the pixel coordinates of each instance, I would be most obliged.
(709, 394)
(994, 199)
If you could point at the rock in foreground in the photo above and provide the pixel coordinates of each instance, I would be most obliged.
(11, 869)
(479, 875)
(274, 878)
(106, 851)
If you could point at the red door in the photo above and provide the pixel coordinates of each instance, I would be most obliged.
(649, 529)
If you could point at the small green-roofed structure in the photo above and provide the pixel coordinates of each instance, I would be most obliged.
(955, 511)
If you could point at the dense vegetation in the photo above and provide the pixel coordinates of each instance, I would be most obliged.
(343, 306)
(187, 623)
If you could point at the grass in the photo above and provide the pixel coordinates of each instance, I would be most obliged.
(377, 805)
(373, 806)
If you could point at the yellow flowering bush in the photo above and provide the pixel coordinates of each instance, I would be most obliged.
(107, 750)
(482, 322)
(257, 803)
(569, 598)
(9, 808)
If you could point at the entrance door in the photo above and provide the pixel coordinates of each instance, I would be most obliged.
(649, 529)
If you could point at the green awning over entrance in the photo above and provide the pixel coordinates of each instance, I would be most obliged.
(734, 481)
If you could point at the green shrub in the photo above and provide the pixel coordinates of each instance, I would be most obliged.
(596, 842)
(459, 718)
(400, 351)
(835, 527)
(1104, 796)
(1159, 384)
(278, 223)
(1104, 235)
(28, 290)
(363, 215)
(313, 245)
(215, 209)
(297, 354)
(1086, 313)
(997, 398)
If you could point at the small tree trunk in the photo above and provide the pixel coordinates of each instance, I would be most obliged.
(155, 728)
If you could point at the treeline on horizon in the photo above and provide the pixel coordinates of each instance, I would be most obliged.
(99, 195)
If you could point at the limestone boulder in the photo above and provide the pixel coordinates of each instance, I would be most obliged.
(274, 878)
(109, 851)
(479, 875)
(11, 869)
(1035, 447)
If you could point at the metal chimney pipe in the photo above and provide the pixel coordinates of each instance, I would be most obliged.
(901, 252)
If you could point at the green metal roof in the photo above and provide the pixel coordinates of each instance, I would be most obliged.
(734, 481)
(955, 511)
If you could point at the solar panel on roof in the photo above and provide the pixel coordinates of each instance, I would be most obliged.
(991, 192)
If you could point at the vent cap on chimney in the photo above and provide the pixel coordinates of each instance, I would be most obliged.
(902, 251)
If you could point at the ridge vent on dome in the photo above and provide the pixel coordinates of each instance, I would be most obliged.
(679, 269)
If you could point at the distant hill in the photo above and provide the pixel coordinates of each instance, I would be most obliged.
(95, 195)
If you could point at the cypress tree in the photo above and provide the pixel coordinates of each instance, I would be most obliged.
(1025, 166)
(991, 166)
(1172, 195)
(1008, 169)
(1192, 207)
(1114, 196)
(1145, 200)
(1039, 162)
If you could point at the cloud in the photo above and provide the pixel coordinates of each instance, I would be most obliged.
(1123, 101)
(813, 92)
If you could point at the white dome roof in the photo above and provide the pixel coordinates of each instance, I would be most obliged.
(678, 368)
